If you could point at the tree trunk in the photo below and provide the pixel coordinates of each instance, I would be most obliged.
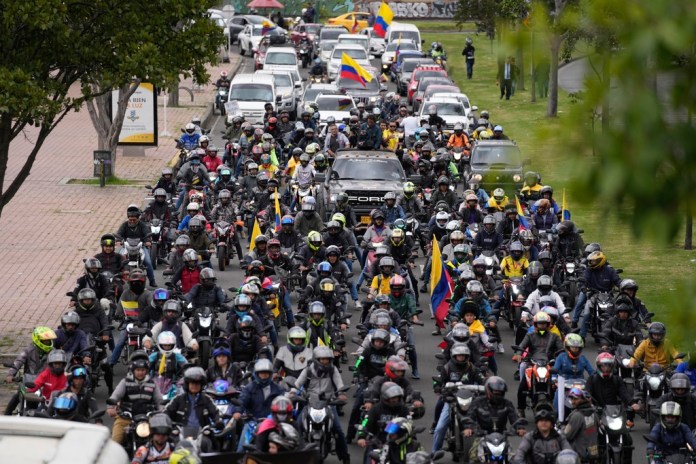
(532, 74)
(606, 83)
(519, 61)
(689, 233)
(555, 48)
(174, 95)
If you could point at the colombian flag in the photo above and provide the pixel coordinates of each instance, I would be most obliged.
(565, 214)
(520, 215)
(440, 287)
(350, 69)
(266, 27)
(277, 212)
(255, 232)
(384, 19)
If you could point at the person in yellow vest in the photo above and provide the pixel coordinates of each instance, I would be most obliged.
(498, 201)
(515, 264)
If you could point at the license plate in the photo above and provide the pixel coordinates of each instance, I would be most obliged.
(365, 220)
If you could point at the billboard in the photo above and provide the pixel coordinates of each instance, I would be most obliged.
(140, 121)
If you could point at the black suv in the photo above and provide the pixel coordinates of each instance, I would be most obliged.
(366, 176)
(497, 163)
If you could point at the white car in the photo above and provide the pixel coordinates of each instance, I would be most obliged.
(287, 89)
(281, 59)
(314, 90)
(355, 39)
(450, 109)
(470, 109)
(338, 106)
(357, 52)
(390, 51)
(377, 44)
(221, 22)
(325, 50)
(250, 37)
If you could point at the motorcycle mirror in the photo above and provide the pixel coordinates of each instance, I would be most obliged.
(680, 355)
(436, 378)
(70, 294)
(649, 315)
(97, 414)
(581, 231)
(619, 271)
(439, 356)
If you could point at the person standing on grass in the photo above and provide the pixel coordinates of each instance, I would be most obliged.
(468, 52)
(505, 78)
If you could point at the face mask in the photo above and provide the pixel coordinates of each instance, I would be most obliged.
(137, 287)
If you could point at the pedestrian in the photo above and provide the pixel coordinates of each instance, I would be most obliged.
(505, 77)
(541, 75)
(515, 74)
(468, 52)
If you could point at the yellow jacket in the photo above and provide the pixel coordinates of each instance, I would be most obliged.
(663, 354)
(476, 328)
(380, 285)
(511, 268)
(493, 203)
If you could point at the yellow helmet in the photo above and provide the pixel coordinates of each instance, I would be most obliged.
(43, 337)
(597, 259)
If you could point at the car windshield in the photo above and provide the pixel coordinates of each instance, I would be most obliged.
(424, 83)
(401, 46)
(281, 58)
(353, 41)
(355, 53)
(406, 35)
(282, 80)
(450, 109)
(498, 154)
(410, 65)
(327, 46)
(311, 94)
(252, 92)
(331, 34)
(335, 104)
(351, 84)
(368, 169)
(313, 29)
(423, 74)
(429, 92)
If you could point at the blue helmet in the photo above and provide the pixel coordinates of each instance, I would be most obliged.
(324, 266)
(223, 350)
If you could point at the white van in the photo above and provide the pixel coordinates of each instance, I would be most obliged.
(403, 31)
(356, 39)
(249, 93)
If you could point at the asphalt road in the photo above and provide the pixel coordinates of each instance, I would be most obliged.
(426, 344)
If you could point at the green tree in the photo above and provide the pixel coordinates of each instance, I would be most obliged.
(50, 46)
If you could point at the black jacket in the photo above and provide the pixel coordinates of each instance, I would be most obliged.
(141, 231)
(491, 417)
(179, 409)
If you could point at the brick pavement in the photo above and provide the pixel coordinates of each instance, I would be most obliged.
(49, 227)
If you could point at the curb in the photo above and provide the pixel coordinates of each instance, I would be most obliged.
(208, 114)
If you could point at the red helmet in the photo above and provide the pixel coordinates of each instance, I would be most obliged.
(272, 120)
(397, 285)
(605, 364)
(395, 363)
(273, 248)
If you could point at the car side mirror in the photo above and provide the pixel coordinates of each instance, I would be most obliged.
(422, 41)
(474, 108)
(416, 179)
(279, 98)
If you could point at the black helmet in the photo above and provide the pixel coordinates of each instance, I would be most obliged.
(196, 375)
(139, 359)
(565, 227)
(161, 424)
(680, 382)
(443, 180)
(657, 332)
(495, 388)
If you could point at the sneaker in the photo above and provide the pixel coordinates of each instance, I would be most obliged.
(415, 374)
(517, 376)
(346, 460)
(432, 429)
(436, 332)
(424, 289)
(501, 348)
(521, 413)
(629, 424)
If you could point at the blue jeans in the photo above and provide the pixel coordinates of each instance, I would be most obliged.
(353, 287)
(441, 428)
(148, 266)
(242, 439)
(180, 200)
(287, 306)
(469, 69)
(118, 347)
(581, 313)
(412, 353)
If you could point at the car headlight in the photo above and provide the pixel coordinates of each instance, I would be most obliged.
(143, 430)
(477, 177)
(517, 178)
(287, 95)
(317, 415)
(615, 423)
(373, 99)
(542, 371)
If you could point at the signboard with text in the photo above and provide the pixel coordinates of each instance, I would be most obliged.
(140, 121)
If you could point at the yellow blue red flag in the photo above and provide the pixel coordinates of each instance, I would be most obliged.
(351, 69)
(277, 211)
(440, 287)
(385, 15)
(524, 224)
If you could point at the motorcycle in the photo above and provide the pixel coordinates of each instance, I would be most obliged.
(134, 340)
(316, 420)
(538, 378)
(460, 397)
(460, 156)
(614, 431)
(571, 273)
(305, 54)
(133, 253)
(224, 439)
(221, 97)
(204, 325)
(224, 233)
(137, 433)
(602, 308)
(514, 300)
(654, 383)
(494, 448)
(159, 243)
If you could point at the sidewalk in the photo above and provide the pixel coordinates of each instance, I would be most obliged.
(50, 226)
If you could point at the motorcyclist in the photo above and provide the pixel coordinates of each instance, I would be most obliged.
(543, 218)
(160, 446)
(569, 244)
(85, 404)
(166, 182)
(308, 219)
(405, 305)
(458, 369)
(443, 193)
(110, 260)
(207, 292)
(622, 329)
(670, 435)
(582, 429)
(378, 231)
(409, 201)
(531, 190)
(245, 342)
(391, 210)
(543, 443)
(544, 288)
(135, 228)
(491, 412)
(598, 277)
(394, 371)
(281, 417)
(222, 367)
(680, 393)
(189, 140)
(322, 377)
(256, 398)
(515, 264)
(92, 318)
(390, 407)
(68, 337)
(170, 322)
(317, 68)
(459, 139)
(541, 340)
(627, 294)
(498, 133)
(498, 201)
(470, 211)
(136, 394)
(510, 225)
(292, 358)
(223, 81)
(479, 267)
(199, 238)
(488, 239)
(92, 278)
(189, 273)
(572, 364)
(134, 299)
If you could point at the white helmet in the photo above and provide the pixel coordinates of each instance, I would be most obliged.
(166, 338)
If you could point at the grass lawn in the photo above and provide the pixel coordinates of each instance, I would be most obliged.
(659, 270)
(443, 25)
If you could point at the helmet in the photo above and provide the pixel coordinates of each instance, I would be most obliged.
(397, 237)
(399, 430)
(190, 256)
(495, 388)
(263, 365)
(281, 407)
(551, 311)
(196, 375)
(166, 341)
(222, 350)
(544, 413)
(327, 285)
(499, 194)
(545, 255)
(565, 227)
(474, 290)
(43, 337)
(535, 270)
(409, 189)
(390, 196)
(628, 284)
(316, 307)
(380, 334)
(207, 278)
(65, 405)
(390, 390)
(441, 219)
(71, 317)
(161, 424)
(225, 196)
(308, 203)
(489, 219)
(195, 225)
(57, 357)
(456, 235)
(92, 266)
(333, 250)
(203, 139)
(387, 261)
(443, 180)
(250, 289)
(381, 300)
(670, 414)
(324, 267)
(322, 352)
(681, 382)
(242, 300)
(544, 284)
(574, 340)
(591, 248)
(432, 110)
(376, 214)
(397, 285)
(133, 211)
(605, 364)
(285, 436)
(172, 306)
(460, 349)
(479, 266)
(596, 259)
(340, 218)
(138, 360)
(542, 318)
(287, 220)
(657, 332)
(394, 364)
(342, 198)
(460, 332)
(567, 457)
(296, 333)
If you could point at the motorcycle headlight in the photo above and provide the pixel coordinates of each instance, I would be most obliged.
(570, 267)
(464, 403)
(373, 99)
(603, 305)
(654, 382)
(129, 327)
(222, 408)
(205, 321)
(142, 430)
(221, 92)
(155, 230)
(517, 178)
(317, 415)
(542, 371)
(615, 423)
(496, 450)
